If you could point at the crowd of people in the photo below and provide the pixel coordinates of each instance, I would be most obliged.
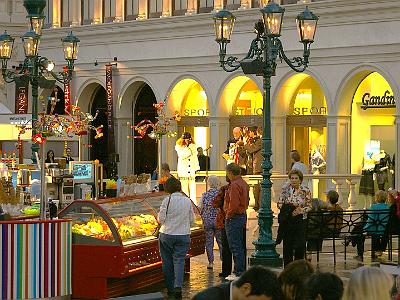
(299, 281)
(223, 210)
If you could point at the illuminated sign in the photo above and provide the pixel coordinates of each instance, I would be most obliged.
(67, 93)
(110, 113)
(256, 111)
(196, 112)
(300, 111)
(384, 101)
(21, 95)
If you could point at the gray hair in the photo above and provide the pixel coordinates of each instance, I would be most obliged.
(213, 182)
(234, 169)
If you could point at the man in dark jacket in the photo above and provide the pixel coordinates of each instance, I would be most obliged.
(257, 283)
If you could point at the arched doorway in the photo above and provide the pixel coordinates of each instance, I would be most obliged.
(58, 95)
(306, 122)
(145, 149)
(99, 147)
(246, 107)
(373, 134)
(189, 98)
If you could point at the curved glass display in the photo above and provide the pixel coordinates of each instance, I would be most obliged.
(126, 220)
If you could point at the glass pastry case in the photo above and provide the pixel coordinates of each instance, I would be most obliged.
(121, 234)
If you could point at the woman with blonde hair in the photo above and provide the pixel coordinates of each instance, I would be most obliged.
(369, 283)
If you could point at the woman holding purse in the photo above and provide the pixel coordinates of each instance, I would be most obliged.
(297, 200)
(175, 216)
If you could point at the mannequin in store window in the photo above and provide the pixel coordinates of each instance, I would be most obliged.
(381, 170)
(367, 180)
(317, 161)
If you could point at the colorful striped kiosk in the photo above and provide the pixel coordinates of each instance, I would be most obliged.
(35, 259)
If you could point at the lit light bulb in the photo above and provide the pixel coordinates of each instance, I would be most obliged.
(50, 66)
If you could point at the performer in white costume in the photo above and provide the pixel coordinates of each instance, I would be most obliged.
(188, 164)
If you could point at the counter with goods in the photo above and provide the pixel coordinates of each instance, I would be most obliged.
(115, 247)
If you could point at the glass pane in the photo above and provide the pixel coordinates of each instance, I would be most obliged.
(135, 220)
(87, 222)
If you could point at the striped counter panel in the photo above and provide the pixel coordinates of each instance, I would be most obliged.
(35, 259)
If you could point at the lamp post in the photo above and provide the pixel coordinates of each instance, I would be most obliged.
(261, 58)
(37, 69)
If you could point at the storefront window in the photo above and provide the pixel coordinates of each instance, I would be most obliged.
(306, 122)
(195, 112)
(373, 131)
(195, 103)
(249, 101)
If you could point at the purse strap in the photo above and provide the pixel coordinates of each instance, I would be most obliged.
(169, 200)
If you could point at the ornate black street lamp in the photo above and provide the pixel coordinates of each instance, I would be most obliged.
(261, 58)
(37, 69)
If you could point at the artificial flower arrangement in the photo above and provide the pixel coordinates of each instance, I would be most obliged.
(74, 122)
(159, 128)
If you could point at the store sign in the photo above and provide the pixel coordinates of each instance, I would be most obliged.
(25, 119)
(257, 111)
(301, 111)
(21, 96)
(196, 112)
(110, 102)
(67, 93)
(384, 101)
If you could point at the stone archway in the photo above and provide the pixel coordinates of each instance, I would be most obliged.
(299, 119)
(85, 98)
(145, 149)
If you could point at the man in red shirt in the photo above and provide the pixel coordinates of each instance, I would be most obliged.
(235, 206)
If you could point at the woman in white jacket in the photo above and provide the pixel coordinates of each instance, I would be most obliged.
(188, 164)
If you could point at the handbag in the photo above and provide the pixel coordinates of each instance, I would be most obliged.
(157, 232)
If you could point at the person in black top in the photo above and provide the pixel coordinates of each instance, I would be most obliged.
(204, 163)
(68, 157)
(257, 283)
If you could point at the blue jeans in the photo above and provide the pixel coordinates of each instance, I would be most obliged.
(173, 250)
(234, 233)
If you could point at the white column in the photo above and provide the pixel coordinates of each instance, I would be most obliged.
(123, 145)
(338, 145)
(76, 13)
(166, 8)
(168, 146)
(119, 10)
(278, 127)
(339, 182)
(352, 200)
(219, 135)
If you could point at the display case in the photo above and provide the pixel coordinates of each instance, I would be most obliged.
(115, 247)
